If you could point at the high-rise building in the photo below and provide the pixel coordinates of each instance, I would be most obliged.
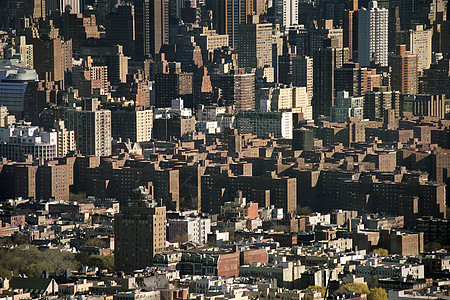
(66, 139)
(79, 28)
(378, 100)
(325, 62)
(13, 11)
(92, 128)
(228, 14)
(117, 66)
(75, 6)
(346, 107)
(133, 122)
(140, 233)
(121, 27)
(294, 99)
(238, 89)
(173, 84)
(351, 27)
(51, 59)
(152, 26)
(303, 139)
(302, 73)
(286, 13)
(254, 39)
(356, 80)
(5, 118)
(420, 44)
(373, 36)
(405, 75)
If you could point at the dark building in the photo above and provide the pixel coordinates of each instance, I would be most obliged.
(303, 139)
(140, 233)
(152, 26)
(172, 127)
(238, 89)
(120, 28)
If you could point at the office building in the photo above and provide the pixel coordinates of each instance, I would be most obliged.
(424, 105)
(373, 25)
(420, 44)
(405, 74)
(228, 14)
(152, 26)
(302, 74)
(346, 107)
(92, 128)
(134, 123)
(253, 41)
(378, 100)
(5, 118)
(117, 64)
(279, 124)
(52, 59)
(294, 99)
(350, 33)
(13, 85)
(140, 233)
(325, 62)
(286, 13)
(121, 28)
(66, 139)
(303, 139)
(75, 6)
(22, 51)
(79, 29)
(238, 89)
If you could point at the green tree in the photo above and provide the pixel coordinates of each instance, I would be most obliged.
(381, 252)
(304, 210)
(372, 281)
(377, 294)
(432, 246)
(317, 288)
(358, 288)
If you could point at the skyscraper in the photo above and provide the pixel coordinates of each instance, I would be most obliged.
(238, 89)
(302, 74)
(228, 14)
(117, 65)
(405, 74)
(140, 233)
(152, 26)
(286, 13)
(351, 27)
(373, 35)
(325, 62)
(253, 41)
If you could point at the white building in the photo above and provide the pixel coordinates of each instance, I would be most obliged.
(209, 127)
(18, 141)
(66, 139)
(262, 123)
(210, 113)
(373, 35)
(194, 230)
(346, 106)
(176, 108)
(286, 13)
(390, 270)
